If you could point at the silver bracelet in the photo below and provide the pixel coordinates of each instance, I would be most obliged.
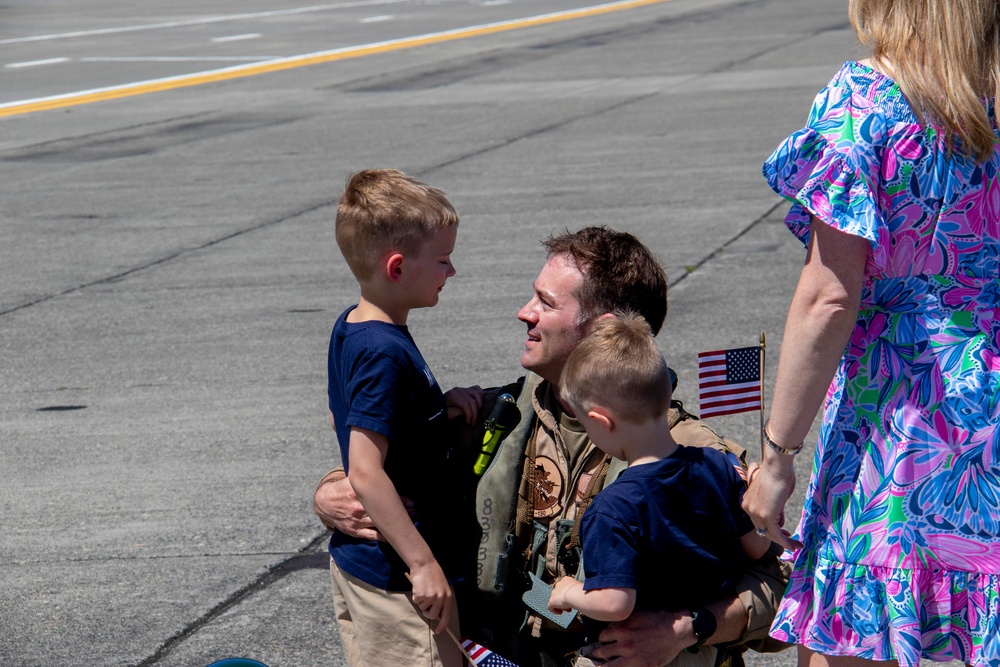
(776, 447)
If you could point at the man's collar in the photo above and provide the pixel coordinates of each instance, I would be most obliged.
(549, 410)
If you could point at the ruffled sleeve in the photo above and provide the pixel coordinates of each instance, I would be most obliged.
(831, 168)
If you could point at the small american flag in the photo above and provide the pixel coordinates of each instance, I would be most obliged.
(729, 381)
(483, 657)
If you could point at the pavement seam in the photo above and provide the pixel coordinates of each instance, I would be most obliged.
(14, 150)
(692, 268)
(172, 256)
(273, 574)
(532, 133)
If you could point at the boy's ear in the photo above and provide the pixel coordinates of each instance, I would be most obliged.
(394, 267)
(602, 417)
(605, 316)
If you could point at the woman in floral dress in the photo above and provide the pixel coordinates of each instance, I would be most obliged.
(894, 190)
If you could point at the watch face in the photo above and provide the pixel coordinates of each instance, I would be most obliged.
(703, 623)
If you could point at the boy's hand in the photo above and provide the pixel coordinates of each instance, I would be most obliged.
(557, 600)
(464, 402)
(432, 594)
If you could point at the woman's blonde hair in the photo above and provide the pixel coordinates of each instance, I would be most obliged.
(944, 54)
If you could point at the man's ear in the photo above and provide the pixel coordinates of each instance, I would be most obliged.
(602, 417)
(393, 267)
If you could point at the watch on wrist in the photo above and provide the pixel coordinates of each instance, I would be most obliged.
(703, 624)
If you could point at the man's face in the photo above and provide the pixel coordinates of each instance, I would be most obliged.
(553, 318)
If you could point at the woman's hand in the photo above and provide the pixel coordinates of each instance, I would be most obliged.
(770, 486)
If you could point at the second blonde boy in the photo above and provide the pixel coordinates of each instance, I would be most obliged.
(674, 510)
(397, 235)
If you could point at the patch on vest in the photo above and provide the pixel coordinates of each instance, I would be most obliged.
(548, 487)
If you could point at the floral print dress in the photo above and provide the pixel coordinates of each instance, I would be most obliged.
(901, 523)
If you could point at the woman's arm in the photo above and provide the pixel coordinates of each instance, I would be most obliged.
(754, 545)
(820, 320)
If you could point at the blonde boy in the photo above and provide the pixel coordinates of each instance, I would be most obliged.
(397, 235)
(675, 509)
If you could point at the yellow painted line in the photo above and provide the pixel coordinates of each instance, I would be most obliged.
(239, 71)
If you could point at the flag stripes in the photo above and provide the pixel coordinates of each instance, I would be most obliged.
(729, 381)
(483, 657)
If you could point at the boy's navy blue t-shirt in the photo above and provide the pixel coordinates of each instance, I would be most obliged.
(378, 380)
(670, 530)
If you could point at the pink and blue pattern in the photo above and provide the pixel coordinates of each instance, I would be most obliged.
(901, 523)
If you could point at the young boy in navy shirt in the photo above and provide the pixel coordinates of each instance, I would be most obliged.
(675, 509)
(397, 235)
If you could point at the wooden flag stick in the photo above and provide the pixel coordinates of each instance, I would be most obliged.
(763, 349)
(461, 648)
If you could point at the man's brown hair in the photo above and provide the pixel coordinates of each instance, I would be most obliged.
(619, 274)
(618, 366)
(383, 210)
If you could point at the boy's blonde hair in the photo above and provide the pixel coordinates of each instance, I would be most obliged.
(945, 55)
(618, 366)
(382, 210)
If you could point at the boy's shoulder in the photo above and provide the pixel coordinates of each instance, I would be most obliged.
(712, 462)
(375, 334)
(374, 341)
(714, 472)
(620, 501)
(700, 469)
(706, 456)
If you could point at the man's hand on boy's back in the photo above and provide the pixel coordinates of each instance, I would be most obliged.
(338, 507)
(465, 402)
(646, 638)
(334, 500)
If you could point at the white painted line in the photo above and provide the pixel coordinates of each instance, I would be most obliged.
(492, 3)
(376, 19)
(236, 38)
(210, 19)
(174, 59)
(35, 63)
(280, 64)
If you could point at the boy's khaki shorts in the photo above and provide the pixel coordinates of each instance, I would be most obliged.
(383, 629)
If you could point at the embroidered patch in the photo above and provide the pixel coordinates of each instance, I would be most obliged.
(548, 487)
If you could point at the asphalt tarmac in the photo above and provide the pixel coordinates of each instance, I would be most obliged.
(168, 273)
